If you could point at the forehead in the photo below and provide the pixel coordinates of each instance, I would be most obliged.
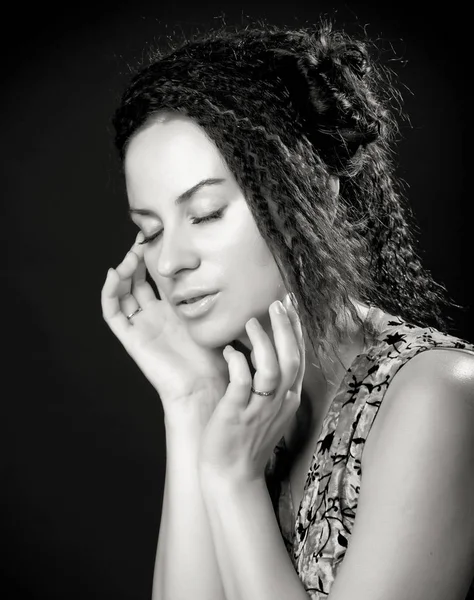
(166, 158)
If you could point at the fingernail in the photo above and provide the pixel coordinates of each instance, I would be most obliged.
(279, 308)
(252, 323)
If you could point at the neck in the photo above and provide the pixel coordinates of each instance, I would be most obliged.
(322, 378)
(323, 374)
(327, 370)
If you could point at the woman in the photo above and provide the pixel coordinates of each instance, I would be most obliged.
(292, 310)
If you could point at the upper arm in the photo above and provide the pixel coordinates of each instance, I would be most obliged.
(413, 536)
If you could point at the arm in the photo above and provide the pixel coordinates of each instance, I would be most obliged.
(246, 533)
(190, 381)
(185, 565)
(239, 438)
(413, 536)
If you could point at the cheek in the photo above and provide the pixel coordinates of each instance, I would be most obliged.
(245, 243)
(255, 259)
(256, 282)
(249, 267)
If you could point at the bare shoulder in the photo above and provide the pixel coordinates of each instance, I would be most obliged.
(415, 502)
(440, 380)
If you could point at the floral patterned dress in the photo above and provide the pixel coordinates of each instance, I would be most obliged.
(317, 536)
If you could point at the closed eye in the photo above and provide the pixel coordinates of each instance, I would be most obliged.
(196, 221)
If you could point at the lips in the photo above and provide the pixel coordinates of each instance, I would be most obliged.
(191, 300)
(191, 295)
(200, 307)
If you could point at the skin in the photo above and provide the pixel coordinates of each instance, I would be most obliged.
(168, 156)
(424, 427)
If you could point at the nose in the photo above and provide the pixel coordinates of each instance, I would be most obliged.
(175, 253)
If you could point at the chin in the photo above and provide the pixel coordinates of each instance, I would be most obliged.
(219, 329)
(213, 335)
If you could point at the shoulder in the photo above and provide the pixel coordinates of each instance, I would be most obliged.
(433, 373)
(434, 384)
(417, 487)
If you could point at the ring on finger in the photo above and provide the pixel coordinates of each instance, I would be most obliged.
(135, 312)
(254, 391)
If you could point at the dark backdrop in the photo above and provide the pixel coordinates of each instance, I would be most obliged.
(83, 457)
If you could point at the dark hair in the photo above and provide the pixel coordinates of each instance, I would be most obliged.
(288, 109)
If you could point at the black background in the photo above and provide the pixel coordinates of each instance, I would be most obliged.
(83, 456)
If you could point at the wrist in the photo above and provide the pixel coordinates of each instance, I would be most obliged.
(213, 480)
(192, 414)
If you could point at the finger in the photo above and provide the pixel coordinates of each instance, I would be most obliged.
(130, 262)
(111, 310)
(130, 308)
(128, 265)
(240, 379)
(286, 344)
(292, 311)
(291, 306)
(126, 269)
(128, 303)
(141, 289)
(138, 246)
(252, 358)
(298, 329)
(267, 369)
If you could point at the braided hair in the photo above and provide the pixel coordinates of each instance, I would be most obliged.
(289, 110)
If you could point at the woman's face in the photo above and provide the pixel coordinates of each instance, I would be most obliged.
(225, 254)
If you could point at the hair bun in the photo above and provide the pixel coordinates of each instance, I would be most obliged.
(352, 57)
(345, 116)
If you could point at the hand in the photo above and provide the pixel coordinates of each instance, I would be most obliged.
(181, 371)
(245, 427)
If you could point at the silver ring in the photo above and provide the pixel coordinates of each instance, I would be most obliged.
(139, 309)
(262, 393)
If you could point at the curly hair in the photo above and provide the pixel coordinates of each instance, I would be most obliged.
(289, 110)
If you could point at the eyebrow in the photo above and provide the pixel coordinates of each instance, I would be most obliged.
(187, 195)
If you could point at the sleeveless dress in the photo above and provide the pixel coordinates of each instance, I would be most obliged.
(317, 535)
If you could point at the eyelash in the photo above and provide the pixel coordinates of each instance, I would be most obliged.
(197, 220)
